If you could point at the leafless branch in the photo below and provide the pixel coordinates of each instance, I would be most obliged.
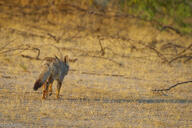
(102, 49)
(189, 47)
(171, 28)
(178, 57)
(188, 59)
(173, 86)
(182, 54)
(57, 39)
(30, 57)
(159, 54)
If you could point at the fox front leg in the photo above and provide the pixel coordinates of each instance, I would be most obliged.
(45, 91)
(59, 84)
(50, 81)
(50, 89)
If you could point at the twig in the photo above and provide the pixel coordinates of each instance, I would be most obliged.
(171, 28)
(102, 49)
(30, 57)
(188, 59)
(189, 47)
(31, 48)
(178, 57)
(171, 45)
(182, 55)
(159, 54)
(167, 89)
(155, 50)
(38, 54)
(57, 39)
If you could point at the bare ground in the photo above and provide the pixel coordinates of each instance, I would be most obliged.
(98, 100)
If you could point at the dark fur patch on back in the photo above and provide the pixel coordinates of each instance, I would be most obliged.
(37, 85)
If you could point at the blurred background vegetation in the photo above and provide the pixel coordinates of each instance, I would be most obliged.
(153, 25)
(174, 13)
(177, 14)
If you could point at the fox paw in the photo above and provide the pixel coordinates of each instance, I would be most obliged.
(43, 98)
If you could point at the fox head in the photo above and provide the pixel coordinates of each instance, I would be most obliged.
(65, 59)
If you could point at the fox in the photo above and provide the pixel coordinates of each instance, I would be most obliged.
(53, 69)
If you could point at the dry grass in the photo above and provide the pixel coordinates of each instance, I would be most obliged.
(110, 90)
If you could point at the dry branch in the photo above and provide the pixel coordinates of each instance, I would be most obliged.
(30, 57)
(183, 54)
(179, 57)
(102, 49)
(173, 86)
(171, 28)
(188, 59)
(57, 39)
(32, 49)
(38, 50)
(171, 45)
(188, 48)
(158, 53)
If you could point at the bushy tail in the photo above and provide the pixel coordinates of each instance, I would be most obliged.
(37, 84)
(45, 74)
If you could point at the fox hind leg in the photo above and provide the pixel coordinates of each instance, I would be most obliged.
(59, 84)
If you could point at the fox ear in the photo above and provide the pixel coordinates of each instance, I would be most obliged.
(56, 57)
(66, 59)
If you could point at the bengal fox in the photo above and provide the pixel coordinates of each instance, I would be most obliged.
(53, 69)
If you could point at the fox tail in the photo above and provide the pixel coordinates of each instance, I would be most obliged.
(45, 74)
